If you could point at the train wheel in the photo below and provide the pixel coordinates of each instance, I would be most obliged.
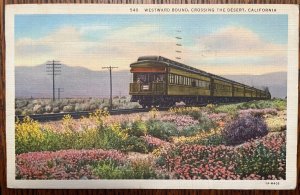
(171, 104)
(143, 104)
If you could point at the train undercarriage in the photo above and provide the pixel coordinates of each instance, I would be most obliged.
(169, 101)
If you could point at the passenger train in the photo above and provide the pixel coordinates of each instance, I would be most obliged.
(158, 81)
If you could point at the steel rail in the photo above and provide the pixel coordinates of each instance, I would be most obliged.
(77, 115)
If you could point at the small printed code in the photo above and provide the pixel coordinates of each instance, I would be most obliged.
(273, 183)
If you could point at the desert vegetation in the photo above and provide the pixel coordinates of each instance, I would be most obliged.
(225, 142)
(44, 106)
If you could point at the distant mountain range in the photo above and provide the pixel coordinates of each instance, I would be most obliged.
(81, 82)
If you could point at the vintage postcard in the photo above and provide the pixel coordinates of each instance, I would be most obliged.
(152, 96)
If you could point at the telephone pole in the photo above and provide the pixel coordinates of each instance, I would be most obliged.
(53, 69)
(59, 90)
(110, 78)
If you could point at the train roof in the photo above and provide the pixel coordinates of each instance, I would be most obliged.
(179, 65)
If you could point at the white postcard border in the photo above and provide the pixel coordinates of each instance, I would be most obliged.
(292, 101)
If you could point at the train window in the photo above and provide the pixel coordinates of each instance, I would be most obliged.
(180, 80)
(141, 77)
(200, 83)
(193, 83)
(171, 76)
(159, 77)
(205, 84)
(177, 79)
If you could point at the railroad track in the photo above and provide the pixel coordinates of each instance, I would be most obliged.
(77, 115)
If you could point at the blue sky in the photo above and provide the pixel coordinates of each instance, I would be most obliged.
(217, 38)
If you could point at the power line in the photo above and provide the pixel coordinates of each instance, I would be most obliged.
(110, 79)
(53, 68)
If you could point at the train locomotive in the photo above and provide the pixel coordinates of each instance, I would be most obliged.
(158, 81)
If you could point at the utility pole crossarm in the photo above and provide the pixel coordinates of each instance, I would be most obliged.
(53, 68)
(110, 67)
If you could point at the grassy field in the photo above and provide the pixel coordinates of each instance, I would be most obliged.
(228, 142)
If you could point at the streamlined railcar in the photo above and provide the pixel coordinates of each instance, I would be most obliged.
(158, 81)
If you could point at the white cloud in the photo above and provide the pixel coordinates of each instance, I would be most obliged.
(230, 48)
(121, 47)
(237, 41)
(93, 29)
(233, 50)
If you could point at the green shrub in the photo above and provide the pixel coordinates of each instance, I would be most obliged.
(136, 144)
(205, 124)
(38, 109)
(191, 130)
(190, 111)
(54, 141)
(93, 107)
(261, 161)
(18, 111)
(108, 170)
(230, 108)
(140, 169)
(78, 107)
(213, 140)
(68, 108)
(112, 137)
(137, 128)
(27, 112)
(135, 170)
(21, 103)
(56, 110)
(86, 139)
(162, 130)
(278, 104)
(48, 109)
